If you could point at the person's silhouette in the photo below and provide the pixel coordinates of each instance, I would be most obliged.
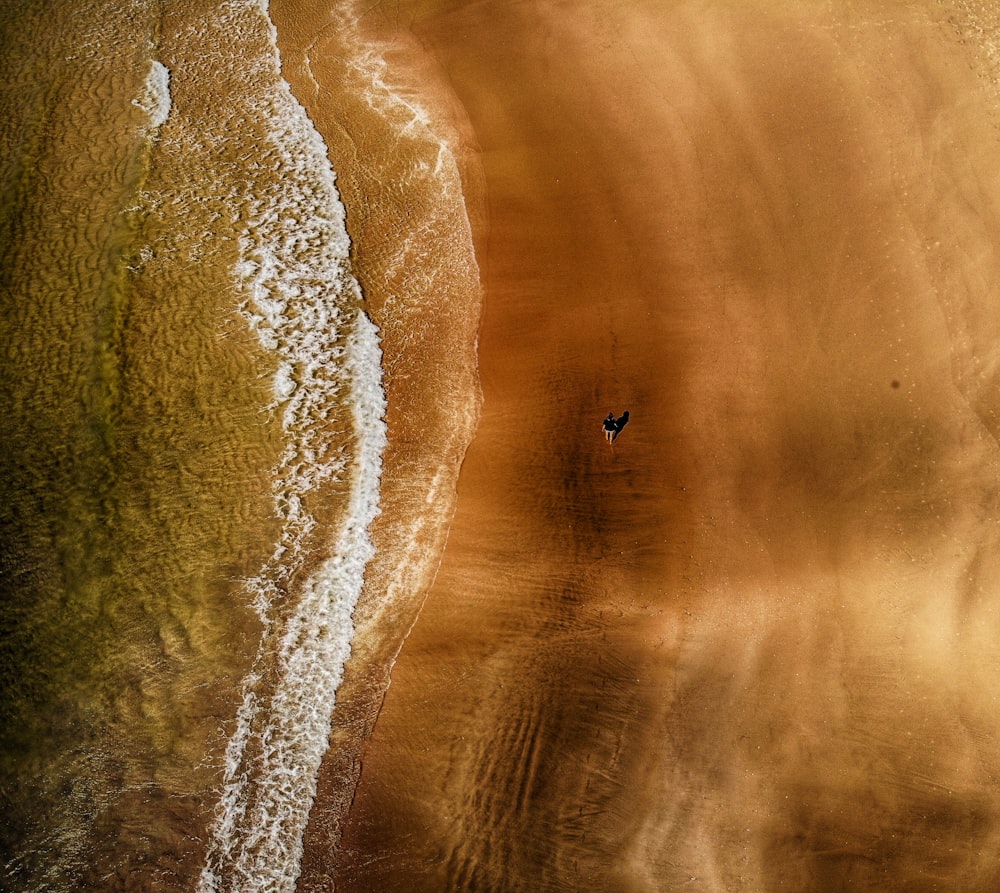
(610, 427)
(613, 427)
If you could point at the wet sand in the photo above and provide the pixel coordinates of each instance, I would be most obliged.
(751, 646)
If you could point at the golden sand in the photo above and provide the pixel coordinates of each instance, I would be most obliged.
(752, 645)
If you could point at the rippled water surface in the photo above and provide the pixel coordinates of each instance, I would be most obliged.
(190, 452)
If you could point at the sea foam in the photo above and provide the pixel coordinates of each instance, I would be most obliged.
(155, 98)
(304, 306)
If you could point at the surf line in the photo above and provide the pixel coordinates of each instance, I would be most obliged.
(305, 306)
(283, 723)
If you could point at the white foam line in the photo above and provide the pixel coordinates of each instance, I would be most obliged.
(155, 101)
(275, 754)
(302, 302)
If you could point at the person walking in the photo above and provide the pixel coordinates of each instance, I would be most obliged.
(610, 428)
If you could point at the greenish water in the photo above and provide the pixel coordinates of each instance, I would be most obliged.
(140, 433)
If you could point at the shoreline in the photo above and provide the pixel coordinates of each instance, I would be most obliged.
(452, 658)
(425, 302)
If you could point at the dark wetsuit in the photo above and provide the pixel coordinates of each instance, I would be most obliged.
(610, 427)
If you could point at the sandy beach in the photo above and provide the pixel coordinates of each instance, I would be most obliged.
(752, 645)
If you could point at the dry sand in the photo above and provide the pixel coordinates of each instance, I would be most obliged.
(752, 646)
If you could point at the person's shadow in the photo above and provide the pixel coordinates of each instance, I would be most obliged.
(620, 423)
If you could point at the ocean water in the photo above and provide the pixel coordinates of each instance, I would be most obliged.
(192, 448)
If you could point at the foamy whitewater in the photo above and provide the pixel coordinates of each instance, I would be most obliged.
(301, 301)
(155, 101)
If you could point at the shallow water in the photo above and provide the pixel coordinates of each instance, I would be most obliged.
(191, 451)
